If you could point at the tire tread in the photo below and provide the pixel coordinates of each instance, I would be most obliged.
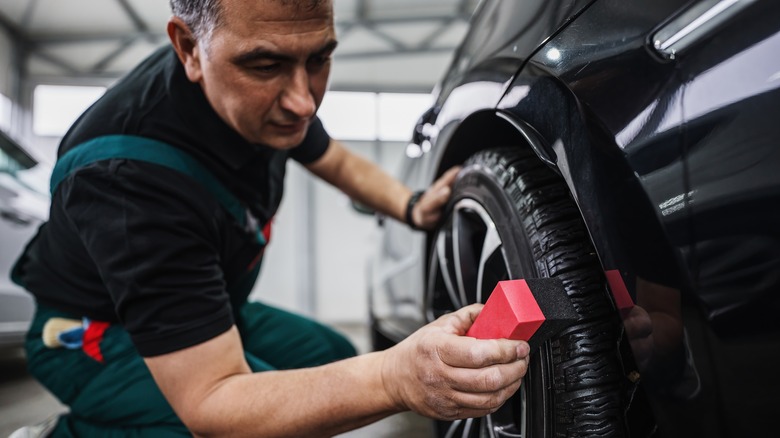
(587, 372)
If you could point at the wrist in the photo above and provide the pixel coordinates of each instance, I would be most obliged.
(408, 214)
(390, 381)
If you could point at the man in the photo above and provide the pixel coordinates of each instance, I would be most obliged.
(159, 195)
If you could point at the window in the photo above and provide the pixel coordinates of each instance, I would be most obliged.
(56, 107)
(398, 113)
(372, 116)
(362, 116)
(6, 107)
(349, 115)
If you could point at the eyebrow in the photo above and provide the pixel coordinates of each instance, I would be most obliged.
(266, 54)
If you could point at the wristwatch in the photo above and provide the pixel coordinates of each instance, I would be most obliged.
(410, 206)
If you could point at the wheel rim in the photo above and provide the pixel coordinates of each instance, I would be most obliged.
(467, 260)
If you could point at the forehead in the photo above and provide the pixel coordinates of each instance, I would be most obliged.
(276, 17)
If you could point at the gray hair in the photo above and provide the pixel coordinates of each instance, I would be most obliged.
(201, 16)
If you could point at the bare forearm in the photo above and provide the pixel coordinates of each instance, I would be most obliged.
(379, 191)
(436, 372)
(362, 181)
(321, 401)
(367, 183)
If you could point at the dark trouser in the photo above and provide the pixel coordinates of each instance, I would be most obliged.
(118, 398)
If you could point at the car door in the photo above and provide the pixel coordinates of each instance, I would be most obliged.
(728, 55)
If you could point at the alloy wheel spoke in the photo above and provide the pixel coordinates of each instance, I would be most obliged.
(444, 269)
(467, 427)
(491, 244)
(453, 429)
(458, 248)
(467, 257)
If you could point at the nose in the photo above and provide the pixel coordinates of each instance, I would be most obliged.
(297, 97)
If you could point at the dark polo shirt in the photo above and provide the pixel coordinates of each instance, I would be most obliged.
(147, 246)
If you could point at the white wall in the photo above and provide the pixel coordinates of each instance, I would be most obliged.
(345, 241)
(325, 277)
(6, 62)
(46, 147)
(6, 81)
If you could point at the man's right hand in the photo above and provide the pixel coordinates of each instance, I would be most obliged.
(438, 372)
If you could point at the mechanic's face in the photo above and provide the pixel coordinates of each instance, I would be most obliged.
(265, 68)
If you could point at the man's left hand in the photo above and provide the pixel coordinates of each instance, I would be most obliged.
(427, 211)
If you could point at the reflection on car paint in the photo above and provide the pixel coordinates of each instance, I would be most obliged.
(673, 164)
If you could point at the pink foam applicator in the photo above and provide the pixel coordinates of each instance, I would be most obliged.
(532, 310)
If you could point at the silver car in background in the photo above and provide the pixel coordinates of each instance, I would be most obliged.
(24, 206)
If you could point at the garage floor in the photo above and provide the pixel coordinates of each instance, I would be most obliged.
(24, 401)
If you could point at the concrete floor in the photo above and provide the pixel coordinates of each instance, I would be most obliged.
(23, 401)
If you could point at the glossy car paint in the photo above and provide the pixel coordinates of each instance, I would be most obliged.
(23, 207)
(674, 162)
(501, 37)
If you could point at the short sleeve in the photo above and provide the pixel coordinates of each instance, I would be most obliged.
(152, 235)
(314, 145)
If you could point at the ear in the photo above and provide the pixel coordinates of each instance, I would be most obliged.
(187, 48)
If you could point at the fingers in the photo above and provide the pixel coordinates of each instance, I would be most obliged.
(465, 352)
(427, 211)
(639, 330)
(447, 179)
(442, 187)
(493, 378)
(470, 405)
(431, 203)
(439, 372)
(638, 323)
(459, 321)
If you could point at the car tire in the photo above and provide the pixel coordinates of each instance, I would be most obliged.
(510, 216)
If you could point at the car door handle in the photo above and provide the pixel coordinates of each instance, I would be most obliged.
(694, 25)
(15, 218)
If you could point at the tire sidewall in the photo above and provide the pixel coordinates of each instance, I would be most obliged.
(480, 184)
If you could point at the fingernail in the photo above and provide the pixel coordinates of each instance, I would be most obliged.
(523, 350)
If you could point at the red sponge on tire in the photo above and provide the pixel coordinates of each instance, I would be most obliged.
(531, 310)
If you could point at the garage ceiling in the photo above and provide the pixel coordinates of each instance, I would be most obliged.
(398, 45)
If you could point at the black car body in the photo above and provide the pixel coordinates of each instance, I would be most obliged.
(660, 120)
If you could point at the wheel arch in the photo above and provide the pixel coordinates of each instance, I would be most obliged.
(628, 237)
(505, 130)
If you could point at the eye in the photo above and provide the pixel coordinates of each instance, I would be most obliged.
(318, 61)
(266, 68)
